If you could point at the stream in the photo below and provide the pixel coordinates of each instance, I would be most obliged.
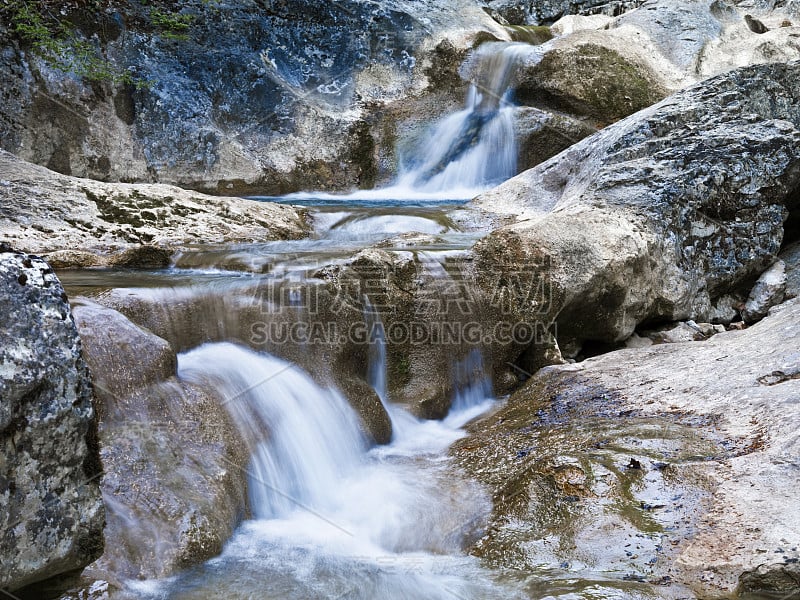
(333, 517)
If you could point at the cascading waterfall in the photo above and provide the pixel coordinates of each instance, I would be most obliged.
(471, 150)
(474, 148)
(304, 439)
(333, 519)
(473, 393)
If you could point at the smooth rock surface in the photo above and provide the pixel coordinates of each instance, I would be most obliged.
(51, 512)
(661, 215)
(175, 465)
(81, 222)
(250, 97)
(673, 465)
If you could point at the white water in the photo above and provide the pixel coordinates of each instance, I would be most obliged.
(333, 519)
(467, 152)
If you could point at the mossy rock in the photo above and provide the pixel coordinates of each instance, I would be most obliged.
(531, 34)
(590, 80)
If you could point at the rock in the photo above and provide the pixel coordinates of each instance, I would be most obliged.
(682, 332)
(791, 258)
(541, 135)
(637, 341)
(530, 12)
(768, 291)
(608, 71)
(755, 25)
(571, 23)
(715, 433)
(261, 111)
(51, 512)
(622, 237)
(89, 223)
(122, 356)
(603, 83)
(175, 465)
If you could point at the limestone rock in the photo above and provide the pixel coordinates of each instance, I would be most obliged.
(90, 223)
(713, 427)
(661, 215)
(175, 465)
(51, 513)
(768, 291)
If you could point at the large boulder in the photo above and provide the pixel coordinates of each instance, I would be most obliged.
(80, 222)
(230, 97)
(175, 465)
(672, 465)
(51, 512)
(660, 216)
(607, 69)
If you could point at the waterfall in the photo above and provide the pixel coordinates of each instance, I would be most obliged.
(473, 394)
(475, 148)
(469, 151)
(304, 439)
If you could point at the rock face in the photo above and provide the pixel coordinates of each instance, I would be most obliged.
(247, 96)
(791, 258)
(674, 464)
(538, 12)
(175, 466)
(51, 513)
(80, 222)
(660, 216)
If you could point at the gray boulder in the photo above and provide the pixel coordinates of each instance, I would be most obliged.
(51, 512)
(81, 222)
(175, 465)
(659, 216)
(674, 466)
(768, 291)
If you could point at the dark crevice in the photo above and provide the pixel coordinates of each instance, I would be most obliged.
(791, 227)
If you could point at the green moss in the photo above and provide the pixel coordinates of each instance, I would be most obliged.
(591, 80)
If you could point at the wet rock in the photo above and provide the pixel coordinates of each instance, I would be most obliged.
(175, 465)
(777, 578)
(258, 111)
(89, 223)
(624, 241)
(51, 513)
(768, 291)
(714, 494)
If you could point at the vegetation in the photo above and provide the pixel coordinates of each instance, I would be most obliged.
(48, 29)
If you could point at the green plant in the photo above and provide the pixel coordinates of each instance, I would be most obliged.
(56, 42)
(172, 25)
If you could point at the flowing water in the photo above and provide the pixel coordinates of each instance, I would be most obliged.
(333, 517)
